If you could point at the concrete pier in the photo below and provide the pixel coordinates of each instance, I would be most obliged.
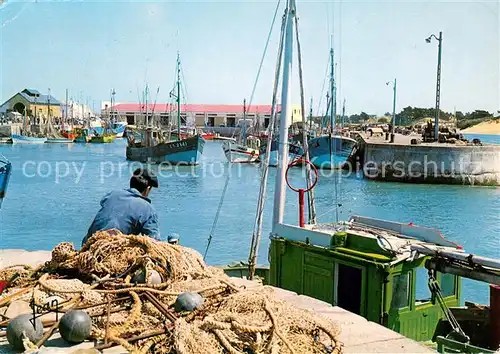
(443, 163)
(357, 334)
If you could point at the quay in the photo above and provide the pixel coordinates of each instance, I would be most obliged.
(357, 334)
(408, 159)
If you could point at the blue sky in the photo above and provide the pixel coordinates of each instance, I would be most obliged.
(90, 47)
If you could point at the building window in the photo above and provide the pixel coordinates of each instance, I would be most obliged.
(448, 284)
(400, 291)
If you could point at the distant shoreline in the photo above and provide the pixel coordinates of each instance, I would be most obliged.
(491, 127)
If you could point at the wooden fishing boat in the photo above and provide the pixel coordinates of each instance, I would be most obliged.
(152, 145)
(72, 135)
(295, 151)
(59, 141)
(184, 152)
(5, 171)
(238, 153)
(246, 149)
(103, 138)
(405, 277)
(330, 151)
(23, 139)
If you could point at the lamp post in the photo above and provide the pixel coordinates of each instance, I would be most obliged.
(438, 81)
(393, 109)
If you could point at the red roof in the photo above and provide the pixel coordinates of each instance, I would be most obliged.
(193, 108)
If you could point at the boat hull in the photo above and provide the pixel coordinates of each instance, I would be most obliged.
(184, 152)
(236, 153)
(330, 152)
(5, 171)
(103, 139)
(69, 135)
(22, 139)
(294, 152)
(59, 141)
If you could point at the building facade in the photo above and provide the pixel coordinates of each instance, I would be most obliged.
(32, 103)
(199, 115)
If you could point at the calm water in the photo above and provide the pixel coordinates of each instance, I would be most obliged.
(42, 209)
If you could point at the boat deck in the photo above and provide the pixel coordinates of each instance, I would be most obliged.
(357, 334)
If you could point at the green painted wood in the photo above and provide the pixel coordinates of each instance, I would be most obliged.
(446, 345)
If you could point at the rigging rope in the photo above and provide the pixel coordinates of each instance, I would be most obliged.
(257, 231)
(217, 215)
(310, 193)
(263, 57)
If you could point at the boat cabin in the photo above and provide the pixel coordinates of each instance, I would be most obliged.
(366, 266)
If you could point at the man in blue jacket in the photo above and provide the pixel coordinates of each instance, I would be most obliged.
(129, 210)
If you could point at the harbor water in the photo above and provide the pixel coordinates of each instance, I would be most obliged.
(55, 190)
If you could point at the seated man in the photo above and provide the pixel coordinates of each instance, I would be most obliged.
(129, 210)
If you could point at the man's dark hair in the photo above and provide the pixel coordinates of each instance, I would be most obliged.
(142, 179)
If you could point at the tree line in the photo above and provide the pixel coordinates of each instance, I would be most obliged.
(410, 115)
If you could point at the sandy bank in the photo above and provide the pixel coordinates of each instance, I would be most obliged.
(490, 127)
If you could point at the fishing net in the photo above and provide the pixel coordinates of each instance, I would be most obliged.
(101, 279)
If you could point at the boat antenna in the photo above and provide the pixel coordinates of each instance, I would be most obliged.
(257, 231)
(305, 133)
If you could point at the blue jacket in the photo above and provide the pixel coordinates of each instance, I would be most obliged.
(128, 211)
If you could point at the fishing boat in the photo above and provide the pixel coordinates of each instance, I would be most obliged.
(24, 139)
(246, 150)
(119, 129)
(71, 135)
(59, 141)
(104, 138)
(332, 150)
(238, 153)
(295, 151)
(5, 171)
(82, 136)
(405, 277)
(152, 145)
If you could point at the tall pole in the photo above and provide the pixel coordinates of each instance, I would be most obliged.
(310, 116)
(48, 105)
(438, 87)
(245, 122)
(285, 117)
(343, 114)
(332, 93)
(393, 112)
(66, 109)
(146, 102)
(178, 97)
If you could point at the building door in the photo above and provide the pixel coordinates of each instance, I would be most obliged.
(349, 288)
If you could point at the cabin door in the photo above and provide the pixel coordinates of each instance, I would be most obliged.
(349, 287)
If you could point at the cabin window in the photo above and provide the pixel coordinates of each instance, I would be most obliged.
(422, 292)
(448, 284)
(401, 291)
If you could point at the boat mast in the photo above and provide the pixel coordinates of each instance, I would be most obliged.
(343, 115)
(332, 91)
(146, 103)
(310, 115)
(280, 189)
(244, 122)
(66, 109)
(178, 97)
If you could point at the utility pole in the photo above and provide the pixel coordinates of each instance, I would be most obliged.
(438, 82)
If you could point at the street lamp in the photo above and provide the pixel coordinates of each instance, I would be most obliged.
(393, 109)
(438, 81)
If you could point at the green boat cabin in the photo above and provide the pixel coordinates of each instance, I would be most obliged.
(368, 267)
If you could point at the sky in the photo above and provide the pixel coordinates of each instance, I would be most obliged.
(90, 47)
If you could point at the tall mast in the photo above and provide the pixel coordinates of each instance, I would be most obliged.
(332, 91)
(146, 103)
(343, 114)
(310, 115)
(245, 121)
(285, 116)
(178, 97)
(66, 109)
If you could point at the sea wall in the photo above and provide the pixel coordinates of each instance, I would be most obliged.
(432, 163)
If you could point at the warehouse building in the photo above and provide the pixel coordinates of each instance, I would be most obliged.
(199, 115)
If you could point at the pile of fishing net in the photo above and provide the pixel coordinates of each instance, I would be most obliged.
(129, 286)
